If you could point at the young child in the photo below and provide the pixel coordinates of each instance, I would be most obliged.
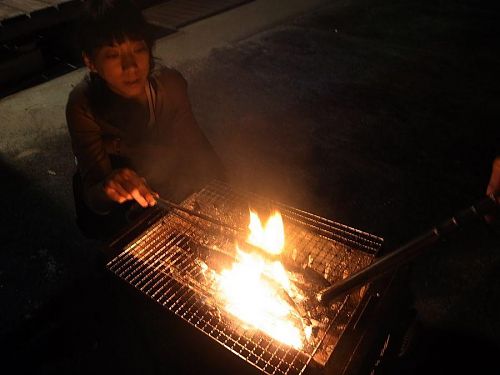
(132, 130)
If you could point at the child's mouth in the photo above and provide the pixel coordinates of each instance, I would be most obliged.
(132, 83)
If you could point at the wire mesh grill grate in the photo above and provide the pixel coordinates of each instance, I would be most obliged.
(163, 262)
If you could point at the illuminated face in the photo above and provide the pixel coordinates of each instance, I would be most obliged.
(124, 67)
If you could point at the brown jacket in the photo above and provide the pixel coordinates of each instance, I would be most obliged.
(172, 153)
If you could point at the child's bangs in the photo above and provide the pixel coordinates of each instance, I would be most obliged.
(113, 35)
(113, 25)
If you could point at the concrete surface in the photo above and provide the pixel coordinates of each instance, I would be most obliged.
(381, 115)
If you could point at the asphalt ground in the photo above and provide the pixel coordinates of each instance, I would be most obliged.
(380, 115)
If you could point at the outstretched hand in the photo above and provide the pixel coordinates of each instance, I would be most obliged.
(125, 185)
(494, 184)
(493, 188)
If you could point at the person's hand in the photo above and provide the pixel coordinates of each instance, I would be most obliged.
(125, 185)
(493, 188)
(494, 184)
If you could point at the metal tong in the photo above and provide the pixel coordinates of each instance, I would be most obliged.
(407, 252)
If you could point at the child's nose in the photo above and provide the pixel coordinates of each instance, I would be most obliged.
(128, 61)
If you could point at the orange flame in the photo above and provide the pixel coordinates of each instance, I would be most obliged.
(251, 288)
(271, 237)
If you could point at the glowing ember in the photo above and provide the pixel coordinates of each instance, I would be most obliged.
(258, 291)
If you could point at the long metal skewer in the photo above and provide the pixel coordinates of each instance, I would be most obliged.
(170, 205)
(407, 252)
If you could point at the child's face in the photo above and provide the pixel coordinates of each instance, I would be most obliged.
(124, 67)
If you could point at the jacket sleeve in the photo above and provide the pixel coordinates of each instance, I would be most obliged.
(89, 149)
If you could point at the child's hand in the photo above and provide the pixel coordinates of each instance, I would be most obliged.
(494, 184)
(125, 185)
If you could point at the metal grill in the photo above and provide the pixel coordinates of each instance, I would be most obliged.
(165, 263)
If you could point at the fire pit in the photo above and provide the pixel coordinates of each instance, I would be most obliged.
(252, 291)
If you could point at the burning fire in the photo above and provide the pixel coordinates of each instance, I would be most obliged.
(258, 291)
(271, 237)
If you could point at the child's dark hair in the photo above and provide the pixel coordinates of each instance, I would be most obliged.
(105, 22)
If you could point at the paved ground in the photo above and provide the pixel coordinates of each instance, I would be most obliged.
(381, 115)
